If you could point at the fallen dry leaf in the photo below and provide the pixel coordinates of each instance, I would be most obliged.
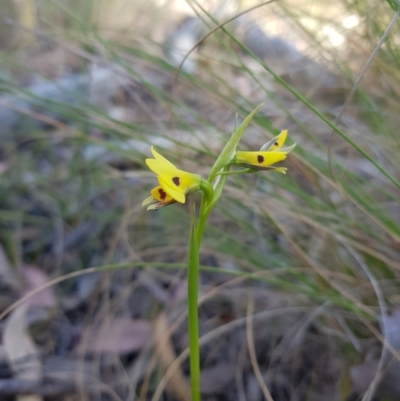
(21, 350)
(116, 335)
(178, 383)
(35, 278)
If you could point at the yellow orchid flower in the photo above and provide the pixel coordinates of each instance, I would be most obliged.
(270, 153)
(175, 184)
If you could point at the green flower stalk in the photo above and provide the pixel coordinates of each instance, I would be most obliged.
(174, 187)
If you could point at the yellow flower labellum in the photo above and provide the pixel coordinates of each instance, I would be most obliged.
(158, 198)
(174, 185)
(272, 152)
(160, 195)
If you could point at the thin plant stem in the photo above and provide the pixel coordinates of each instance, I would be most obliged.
(193, 314)
(204, 212)
(193, 325)
(193, 290)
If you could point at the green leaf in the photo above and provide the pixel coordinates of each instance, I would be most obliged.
(395, 4)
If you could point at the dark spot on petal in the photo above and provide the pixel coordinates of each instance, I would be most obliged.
(260, 158)
(162, 193)
(176, 181)
(276, 144)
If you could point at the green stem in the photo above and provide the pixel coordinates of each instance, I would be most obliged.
(193, 317)
(204, 212)
(208, 202)
(193, 289)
